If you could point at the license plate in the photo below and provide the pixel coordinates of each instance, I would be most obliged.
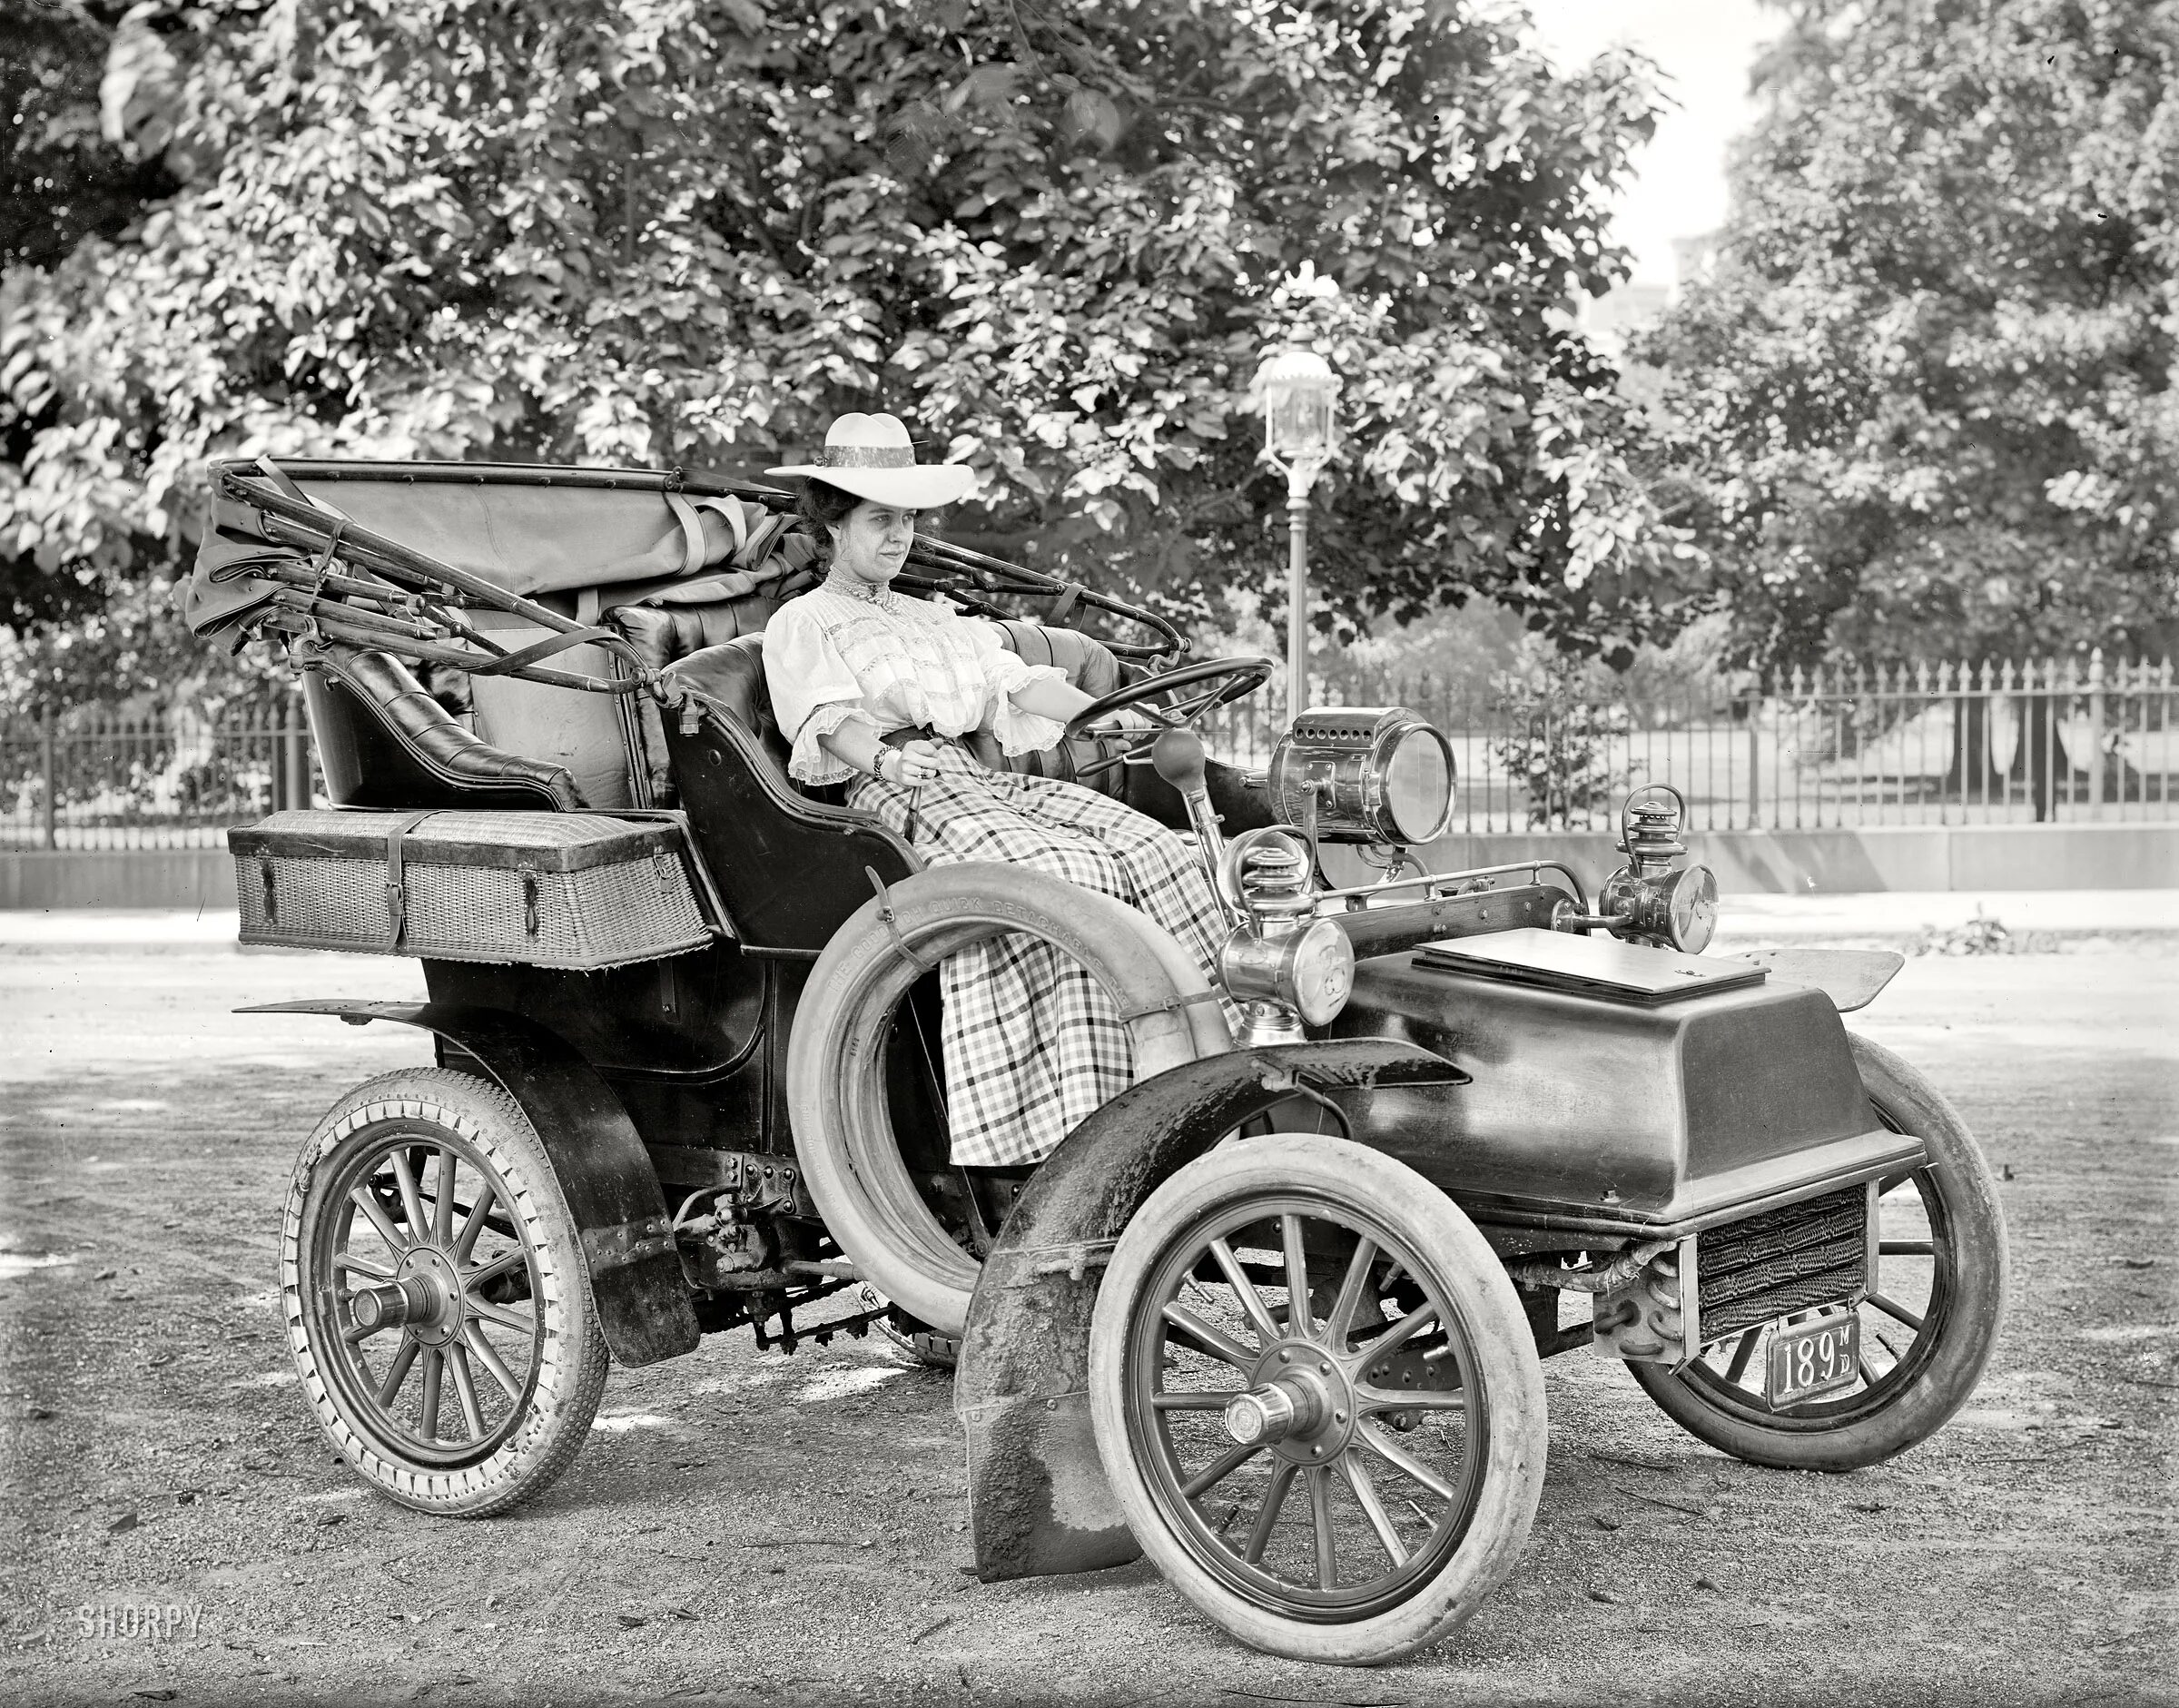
(1814, 1357)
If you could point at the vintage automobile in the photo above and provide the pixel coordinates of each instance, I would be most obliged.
(1275, 1316)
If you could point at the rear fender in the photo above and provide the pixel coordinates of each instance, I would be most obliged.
(1038, 1500)
(604, 1173)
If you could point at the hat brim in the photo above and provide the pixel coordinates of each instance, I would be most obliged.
(923, 487)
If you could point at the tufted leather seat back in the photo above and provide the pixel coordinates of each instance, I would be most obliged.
(1090, 667)
(733, 675)
(383, 740)
(613, 746)
(665, 635)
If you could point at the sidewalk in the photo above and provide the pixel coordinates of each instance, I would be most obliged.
(1902, 914)
(1747, 918)
(117, 928)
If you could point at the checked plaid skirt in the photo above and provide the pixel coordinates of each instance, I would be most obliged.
(1032, 1044)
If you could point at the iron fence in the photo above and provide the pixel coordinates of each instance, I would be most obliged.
(97, 779)
(1939, 744)
(1923, 743)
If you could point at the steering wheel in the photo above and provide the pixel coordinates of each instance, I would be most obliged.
(1233, 678)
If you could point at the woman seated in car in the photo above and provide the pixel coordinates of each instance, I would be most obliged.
(880, 689)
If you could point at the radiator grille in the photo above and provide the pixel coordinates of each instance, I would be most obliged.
(1783, 1260)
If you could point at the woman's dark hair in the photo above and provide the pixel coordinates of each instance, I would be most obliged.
(826, 505)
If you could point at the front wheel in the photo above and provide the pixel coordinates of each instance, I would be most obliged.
(1317, 1399)
(1929, 1323)
(437, 1301)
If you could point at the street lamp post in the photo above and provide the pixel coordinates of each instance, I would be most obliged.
(1300, 394)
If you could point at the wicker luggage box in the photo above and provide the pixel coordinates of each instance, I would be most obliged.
(574, 890)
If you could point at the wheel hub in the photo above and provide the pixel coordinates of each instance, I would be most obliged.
(403, 1301)
(430, 1292)
(1300, 1403)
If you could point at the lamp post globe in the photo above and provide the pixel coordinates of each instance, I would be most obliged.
(1300, 397)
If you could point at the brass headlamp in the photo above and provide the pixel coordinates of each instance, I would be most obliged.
(1369, 774)
(1287, 968)
(1647, 900)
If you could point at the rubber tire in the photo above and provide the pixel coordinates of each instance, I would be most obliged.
(1512, 1379)
(572, 1366)
(1910, 1103)
(843, 1137)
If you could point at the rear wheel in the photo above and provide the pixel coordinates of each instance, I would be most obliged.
(1926, 1328)
(1317, 1399)
(437, 1301)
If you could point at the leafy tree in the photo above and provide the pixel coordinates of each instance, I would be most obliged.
(1924, 406)
(61, 179)
(1056, 237)
(1563, 729)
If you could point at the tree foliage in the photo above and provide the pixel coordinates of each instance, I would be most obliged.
(1055, 237)
(1925, 405)
(60, 179)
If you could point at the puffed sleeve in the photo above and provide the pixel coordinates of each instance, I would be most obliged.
(1005, 674)
(813, 691)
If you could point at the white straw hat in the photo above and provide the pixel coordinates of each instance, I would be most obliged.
(872, 456)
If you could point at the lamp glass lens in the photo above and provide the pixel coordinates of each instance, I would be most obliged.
(1300, 418)
(1324, 973)
(1694, 910)
(1418, 786)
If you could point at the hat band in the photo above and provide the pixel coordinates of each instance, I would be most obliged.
(867, 457)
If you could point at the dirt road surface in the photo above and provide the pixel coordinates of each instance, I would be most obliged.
(752, 1528)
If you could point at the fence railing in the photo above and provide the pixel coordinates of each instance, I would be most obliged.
(1917, 745)
(1933, 744)
(98, 780)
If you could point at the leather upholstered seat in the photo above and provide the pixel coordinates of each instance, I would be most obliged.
(716, 647)
(382, 741)
(1091, 667)
(664, 635)
(794, 862)
(605, 744)
(731, 676)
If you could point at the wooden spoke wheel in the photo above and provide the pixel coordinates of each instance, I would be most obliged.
(436, 1302)
(1928, 1325)
(1317, 1399)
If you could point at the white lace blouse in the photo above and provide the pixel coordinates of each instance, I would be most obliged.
(831, 658)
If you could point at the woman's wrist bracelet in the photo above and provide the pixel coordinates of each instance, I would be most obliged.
(878, 769)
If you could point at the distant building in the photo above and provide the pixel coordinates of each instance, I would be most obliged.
(1695, 258)
(1613, 319)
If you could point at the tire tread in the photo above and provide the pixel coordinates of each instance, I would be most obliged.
(547, 1441)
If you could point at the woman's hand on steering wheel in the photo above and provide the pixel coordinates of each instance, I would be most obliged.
(1218, 681)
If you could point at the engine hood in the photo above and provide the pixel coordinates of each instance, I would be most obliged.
(1591, 1114)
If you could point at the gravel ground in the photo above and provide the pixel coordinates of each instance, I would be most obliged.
(755, 1528)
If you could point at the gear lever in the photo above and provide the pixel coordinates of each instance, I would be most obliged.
(1177, 756)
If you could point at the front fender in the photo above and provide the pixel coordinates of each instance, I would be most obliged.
(604, 1173)
(1038, 1502)
(1851, 978)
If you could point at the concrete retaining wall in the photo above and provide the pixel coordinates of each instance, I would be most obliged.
(1819, 862)
(122, 877)
(1780, 862)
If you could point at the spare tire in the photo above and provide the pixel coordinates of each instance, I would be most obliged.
(836, 1091)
